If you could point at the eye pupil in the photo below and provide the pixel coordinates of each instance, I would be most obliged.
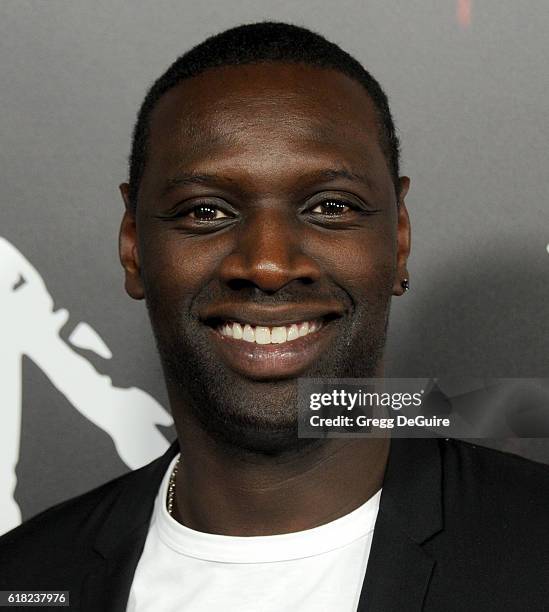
(333, 207)
(205, 213)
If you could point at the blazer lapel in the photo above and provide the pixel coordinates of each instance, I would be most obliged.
(399, 570)
(121, 539)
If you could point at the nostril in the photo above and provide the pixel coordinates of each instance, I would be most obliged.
(237, 284)
(240, 283)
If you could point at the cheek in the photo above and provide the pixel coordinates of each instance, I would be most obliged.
(363, 261)
(176, 267)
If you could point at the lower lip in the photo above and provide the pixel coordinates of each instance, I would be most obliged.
(273, 361)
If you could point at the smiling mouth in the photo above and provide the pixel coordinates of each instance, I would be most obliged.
(269, 352)
(264, 334)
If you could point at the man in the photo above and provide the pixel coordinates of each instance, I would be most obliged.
(266, 228)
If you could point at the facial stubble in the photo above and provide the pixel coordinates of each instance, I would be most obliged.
(258, 416)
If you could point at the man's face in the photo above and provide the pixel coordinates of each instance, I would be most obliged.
(267, 242)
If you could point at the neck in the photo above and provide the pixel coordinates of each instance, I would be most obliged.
(228, 493)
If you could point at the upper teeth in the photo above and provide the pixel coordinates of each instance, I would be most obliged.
(269, 335)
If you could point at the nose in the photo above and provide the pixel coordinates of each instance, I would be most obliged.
(269, 254)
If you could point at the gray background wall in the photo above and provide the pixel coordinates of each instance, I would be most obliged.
(471, 105)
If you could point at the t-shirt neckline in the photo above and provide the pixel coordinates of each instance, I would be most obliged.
(261, 549)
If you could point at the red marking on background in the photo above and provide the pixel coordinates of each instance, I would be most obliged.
(464, 13)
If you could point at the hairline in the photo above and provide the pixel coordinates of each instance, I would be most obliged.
(153, 98)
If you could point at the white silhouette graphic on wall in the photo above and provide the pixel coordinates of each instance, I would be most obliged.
(30, 326)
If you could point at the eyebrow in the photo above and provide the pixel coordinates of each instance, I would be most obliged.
(332, 174)
(325, 175)
(192, 178)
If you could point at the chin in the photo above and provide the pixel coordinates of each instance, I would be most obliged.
(252, 416)
(251, 440)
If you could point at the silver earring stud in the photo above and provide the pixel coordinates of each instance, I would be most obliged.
(405, 284)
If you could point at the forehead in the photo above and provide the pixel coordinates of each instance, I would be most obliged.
(262, 109)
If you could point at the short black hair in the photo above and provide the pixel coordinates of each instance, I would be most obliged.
(252, 44)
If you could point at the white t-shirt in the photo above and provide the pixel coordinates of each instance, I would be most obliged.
(316, 570)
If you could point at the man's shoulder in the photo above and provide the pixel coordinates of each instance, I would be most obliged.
(63, 522)
(494, 490)
(66, 534)
(56, 543)
(490, 545)
(489, 467)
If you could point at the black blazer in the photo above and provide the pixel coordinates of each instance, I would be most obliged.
(460, 528)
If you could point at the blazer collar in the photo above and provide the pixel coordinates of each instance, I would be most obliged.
(121, 537)
(126, 516)
(410, 512)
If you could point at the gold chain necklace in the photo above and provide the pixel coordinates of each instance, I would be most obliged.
(171, 487)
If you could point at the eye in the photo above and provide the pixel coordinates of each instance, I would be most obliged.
(338, 210)
(200, 216)
(207, 212)
(331, 207)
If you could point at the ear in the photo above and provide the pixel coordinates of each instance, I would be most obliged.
(127, 248)
(403, 238)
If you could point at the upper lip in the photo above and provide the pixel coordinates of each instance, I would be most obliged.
(270, 316)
